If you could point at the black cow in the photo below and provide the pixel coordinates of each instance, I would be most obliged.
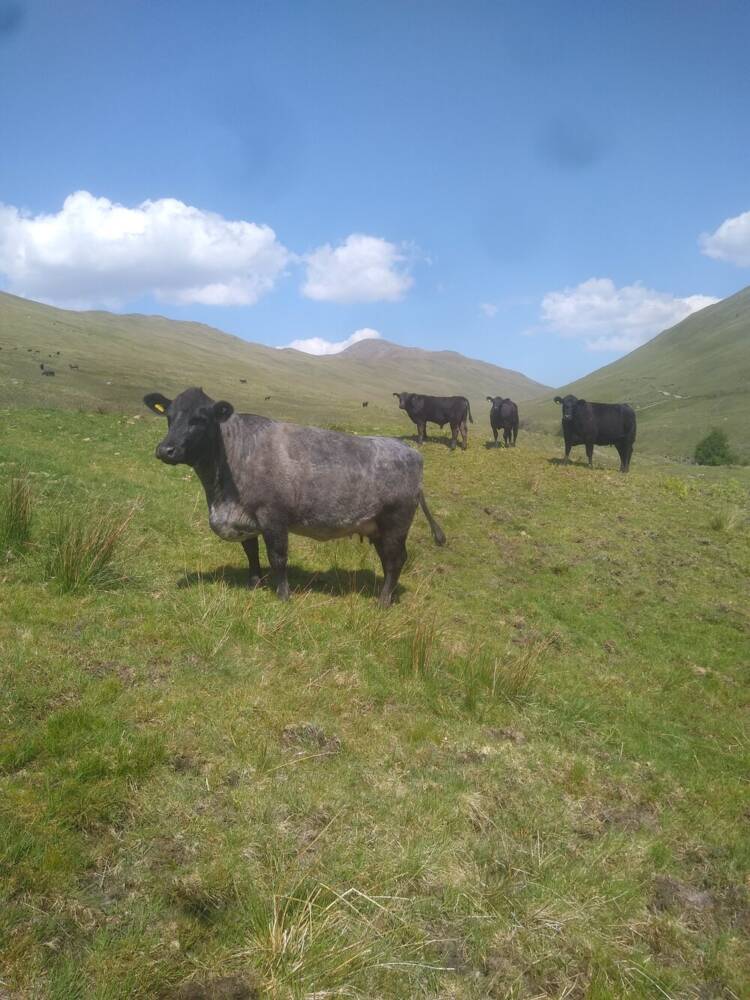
(365, 404)
(598, 423)
(244, 381)
(264, 477)
(45, 370)
(440, 410)
(504, 416)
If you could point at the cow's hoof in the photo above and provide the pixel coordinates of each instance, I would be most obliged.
(283, 593)
(254, 582)
(385, 600)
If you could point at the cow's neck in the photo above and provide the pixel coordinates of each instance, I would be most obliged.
(215, 474)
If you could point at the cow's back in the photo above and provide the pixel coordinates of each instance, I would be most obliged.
(608, 422)
(311, 469)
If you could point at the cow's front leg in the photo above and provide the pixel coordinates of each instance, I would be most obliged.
(421, 433)
(454, 436)
(277, 546)
(250, 545)
(590, 455)
(494, 431)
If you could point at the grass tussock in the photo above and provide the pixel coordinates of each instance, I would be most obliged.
(80, 550)
(16, 516)
(726, 519)
(316, 942)
(418, 651)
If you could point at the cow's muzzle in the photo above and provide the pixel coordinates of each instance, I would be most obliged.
(168, 453)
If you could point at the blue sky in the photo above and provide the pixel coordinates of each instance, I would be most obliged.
(540, 185)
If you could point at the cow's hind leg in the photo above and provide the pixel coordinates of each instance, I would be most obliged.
(277, 546)
(391, 547)
(626, 453)
(250, 545)
(465, 435)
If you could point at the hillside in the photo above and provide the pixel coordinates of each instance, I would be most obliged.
(692, 377)
(121, 357)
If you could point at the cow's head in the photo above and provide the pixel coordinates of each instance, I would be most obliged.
(193, 420)
(569, 404)
(404, 398)
(497, 401)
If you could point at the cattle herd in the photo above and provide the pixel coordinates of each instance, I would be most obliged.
(266, 478)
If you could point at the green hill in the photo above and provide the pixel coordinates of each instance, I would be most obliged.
(690, 378)
(121, 357)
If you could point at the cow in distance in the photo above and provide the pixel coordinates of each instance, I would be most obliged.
(441, 410)
(265, 478)
(592, 424)
(504, 416)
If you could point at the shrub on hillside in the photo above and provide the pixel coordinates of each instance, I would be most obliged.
(714, 450)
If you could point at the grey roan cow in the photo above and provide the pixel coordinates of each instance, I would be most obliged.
(598, 423)
(440, 410)
(504, 416)
(267, 478)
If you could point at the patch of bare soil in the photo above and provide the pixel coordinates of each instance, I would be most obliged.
(306, 737)
(729, 906)
(224, 988)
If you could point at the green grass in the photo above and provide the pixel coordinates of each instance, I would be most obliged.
(690, 378)
(526, 779)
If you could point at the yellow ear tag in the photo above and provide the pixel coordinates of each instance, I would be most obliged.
(159, 407)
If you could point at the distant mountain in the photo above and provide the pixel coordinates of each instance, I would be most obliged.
(692, 377)
(120, 357)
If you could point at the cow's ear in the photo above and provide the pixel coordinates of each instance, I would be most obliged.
(397, 395)
(223, 410)
(490, 399)
(580, 401)
(158, 403)
(557, 399)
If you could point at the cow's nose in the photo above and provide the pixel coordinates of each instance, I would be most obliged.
(165, 451)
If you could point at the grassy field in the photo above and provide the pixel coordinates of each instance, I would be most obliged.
(683, 383)
(527, 779)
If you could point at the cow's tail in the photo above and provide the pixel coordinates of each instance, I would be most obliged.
(468, 407)
(437, 532)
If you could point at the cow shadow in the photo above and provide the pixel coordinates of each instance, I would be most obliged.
(334, 581)
(445, 441)
(491, 446)
(581, 463)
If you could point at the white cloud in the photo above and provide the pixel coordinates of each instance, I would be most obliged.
(731, 241)
(317, 345)
(96, 252)
(489, 309)
(362, 269)
(616, 319)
